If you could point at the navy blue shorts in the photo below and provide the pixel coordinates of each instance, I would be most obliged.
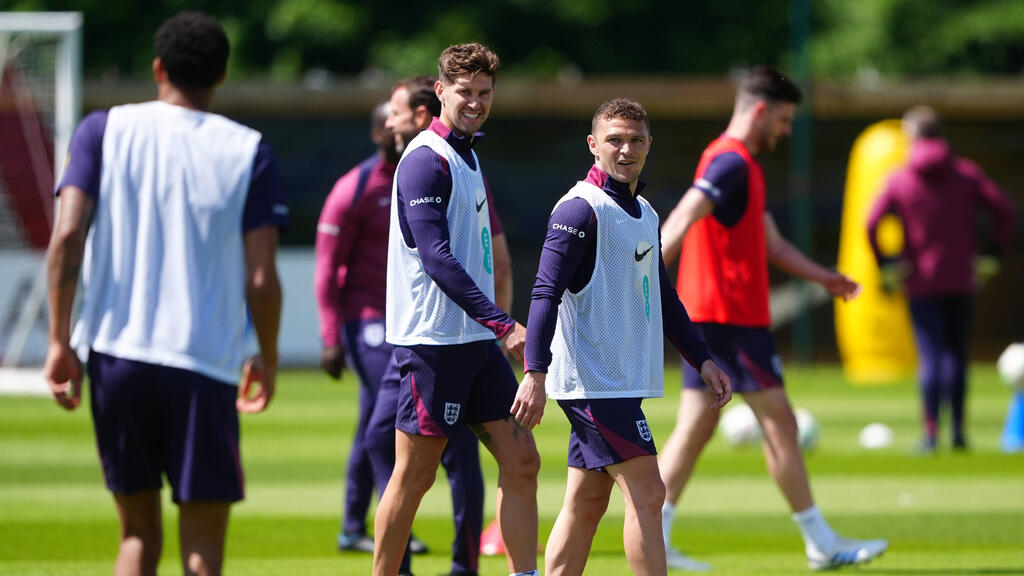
(452, 385)
(745, 353)
(606, 431)
(152, 420)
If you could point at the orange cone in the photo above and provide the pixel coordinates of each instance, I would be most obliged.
(491, 543)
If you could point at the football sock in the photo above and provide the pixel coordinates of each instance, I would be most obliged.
(527, 573)
(815, 529)
(668, 514)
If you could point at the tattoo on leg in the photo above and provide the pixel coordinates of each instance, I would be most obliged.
(518, 432)
(483, 435)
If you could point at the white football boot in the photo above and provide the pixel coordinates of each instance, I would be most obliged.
(678, 561)
(846, 551)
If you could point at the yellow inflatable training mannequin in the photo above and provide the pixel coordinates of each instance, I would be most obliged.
(873, 331)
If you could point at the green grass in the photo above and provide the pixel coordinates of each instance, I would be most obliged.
(950, 514)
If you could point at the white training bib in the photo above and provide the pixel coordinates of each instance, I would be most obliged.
(164, 268)
(608, 338)
(417, 310)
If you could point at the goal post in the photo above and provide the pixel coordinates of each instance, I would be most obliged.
(40, 104)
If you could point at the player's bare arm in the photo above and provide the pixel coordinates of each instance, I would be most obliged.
(62, 369)
(783, 254)
(693, 206)
(528, 407)
(263, 293)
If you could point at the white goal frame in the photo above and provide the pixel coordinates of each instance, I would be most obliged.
(66, 28)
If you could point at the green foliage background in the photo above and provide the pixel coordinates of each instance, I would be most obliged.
(283, 40)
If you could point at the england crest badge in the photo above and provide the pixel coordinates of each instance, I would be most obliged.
(451, 413)
(645, 431)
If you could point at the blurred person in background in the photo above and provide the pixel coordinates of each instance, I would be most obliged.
(724, 237)
(172, 214)
(938, 197)
(351, 255)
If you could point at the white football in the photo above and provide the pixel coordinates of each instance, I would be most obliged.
(739, 425)
(807, 430)
(1011, 365)
(875, 436)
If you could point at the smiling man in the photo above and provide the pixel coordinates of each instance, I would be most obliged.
(600, 306)
(444, 323)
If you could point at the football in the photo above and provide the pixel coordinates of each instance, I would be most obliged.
(875, 436)
(739, 425)
(807, 430)
(1011, 365)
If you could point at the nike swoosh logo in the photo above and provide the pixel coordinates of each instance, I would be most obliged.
(481, 204)
(640, 255)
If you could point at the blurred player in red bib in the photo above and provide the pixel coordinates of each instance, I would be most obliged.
(723, 280)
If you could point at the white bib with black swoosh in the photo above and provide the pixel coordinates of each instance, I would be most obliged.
(608, 338)
(417, 310)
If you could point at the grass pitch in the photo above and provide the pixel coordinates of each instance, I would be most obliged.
(949, 514)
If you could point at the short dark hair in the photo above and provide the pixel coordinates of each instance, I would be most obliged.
(379, 115)
(472, 59)
(421, 93)
(767, 84)
(193, 48)
(624, 108)
(922, 122)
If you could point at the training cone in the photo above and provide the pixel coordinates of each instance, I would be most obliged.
(1013, 431)
(491, 543)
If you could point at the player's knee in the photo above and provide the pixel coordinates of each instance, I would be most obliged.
(705, 428)
(416, 480)
(590, 505)
(522, 466)
(648, 494)
(781, 434)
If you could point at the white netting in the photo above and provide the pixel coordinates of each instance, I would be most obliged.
(27, 116)
(40, 79)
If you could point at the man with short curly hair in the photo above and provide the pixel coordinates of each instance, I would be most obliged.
(173, 213)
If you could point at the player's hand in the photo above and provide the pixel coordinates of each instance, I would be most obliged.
(841, 286)
(252, 400)
(718, 382)
(892, 276)
(528, 407)
(985, 268)
(332, 360)
(63, 372)
(514, 341)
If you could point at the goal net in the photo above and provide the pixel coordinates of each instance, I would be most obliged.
(40, 85)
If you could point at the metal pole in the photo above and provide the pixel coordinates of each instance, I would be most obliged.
(800, 166)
